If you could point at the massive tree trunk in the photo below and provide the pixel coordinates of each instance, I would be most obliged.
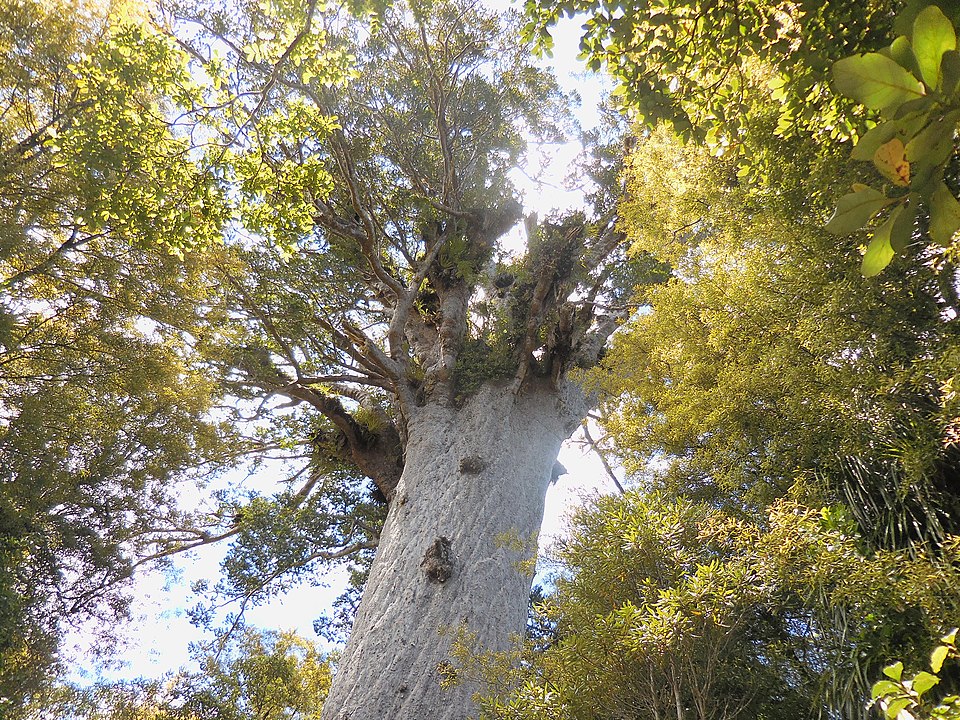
(456, 550)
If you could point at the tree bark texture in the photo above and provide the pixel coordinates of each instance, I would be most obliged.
(455, 553)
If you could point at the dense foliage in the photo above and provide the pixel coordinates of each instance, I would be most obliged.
(669, 608)
(268, 231)
(100, 399)
(257, 676)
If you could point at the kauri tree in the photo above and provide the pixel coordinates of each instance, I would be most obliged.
(371, 293)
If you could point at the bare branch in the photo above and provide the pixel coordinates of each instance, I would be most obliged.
(603, 459)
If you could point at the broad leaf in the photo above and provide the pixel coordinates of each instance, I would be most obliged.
(891, 161)
(934, 143)
(884, 687)
(944, 215)
(856, 209)
(902, 54)
(950, 70)
(876, 81)
(923, 682)
(875, 137)
(933, 35)
(902, 231)
(894, 671)
(895, 707)
(880, 251)
(937, 657)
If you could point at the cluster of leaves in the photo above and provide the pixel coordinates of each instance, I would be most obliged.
(767, 355)
(694, 65)
(259, 676)
(915, 86)
(902, 698)
(101, 400)
(667, 606)
(293, 538)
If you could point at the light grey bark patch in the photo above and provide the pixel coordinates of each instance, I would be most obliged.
(438, 560)
(472, 465)
(406, 624)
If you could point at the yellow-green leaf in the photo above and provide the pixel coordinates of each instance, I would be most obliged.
(884, 687)
(890, 159)
(937, 657)
(878, 256)
(895, 707)
(933, 35)
(876, 81)
(923, 682)
(855, 210)
(894, 671)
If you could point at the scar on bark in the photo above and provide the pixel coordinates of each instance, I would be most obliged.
(472, 464)
(438, 561)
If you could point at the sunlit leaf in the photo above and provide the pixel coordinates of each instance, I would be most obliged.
(897, 709)
(884, 687)
(923, 681)
(890, 159)
(933, 35)
(876, 81)
(937, 657)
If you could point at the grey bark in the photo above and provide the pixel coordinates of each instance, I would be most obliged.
(455, 551)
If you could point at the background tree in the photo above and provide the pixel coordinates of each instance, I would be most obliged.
(102, 405)
(670, 609)
(767, 358)
(257, 676)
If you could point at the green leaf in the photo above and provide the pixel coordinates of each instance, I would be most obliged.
(902, 231)
(879, 254)
(933, 35)
(937, 657)
(876, 81)
(894, 672)
(894, 707)
(934, 143)
(916, 106)
(901, 53)
(950, 71)
(875, 137)
(923, 682)
(944, 215)
(884, 687)
(855, 210)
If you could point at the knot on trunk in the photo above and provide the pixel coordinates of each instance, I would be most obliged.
(438, 560)
(472, 465)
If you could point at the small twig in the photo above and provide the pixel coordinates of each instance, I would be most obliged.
(606, 466)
